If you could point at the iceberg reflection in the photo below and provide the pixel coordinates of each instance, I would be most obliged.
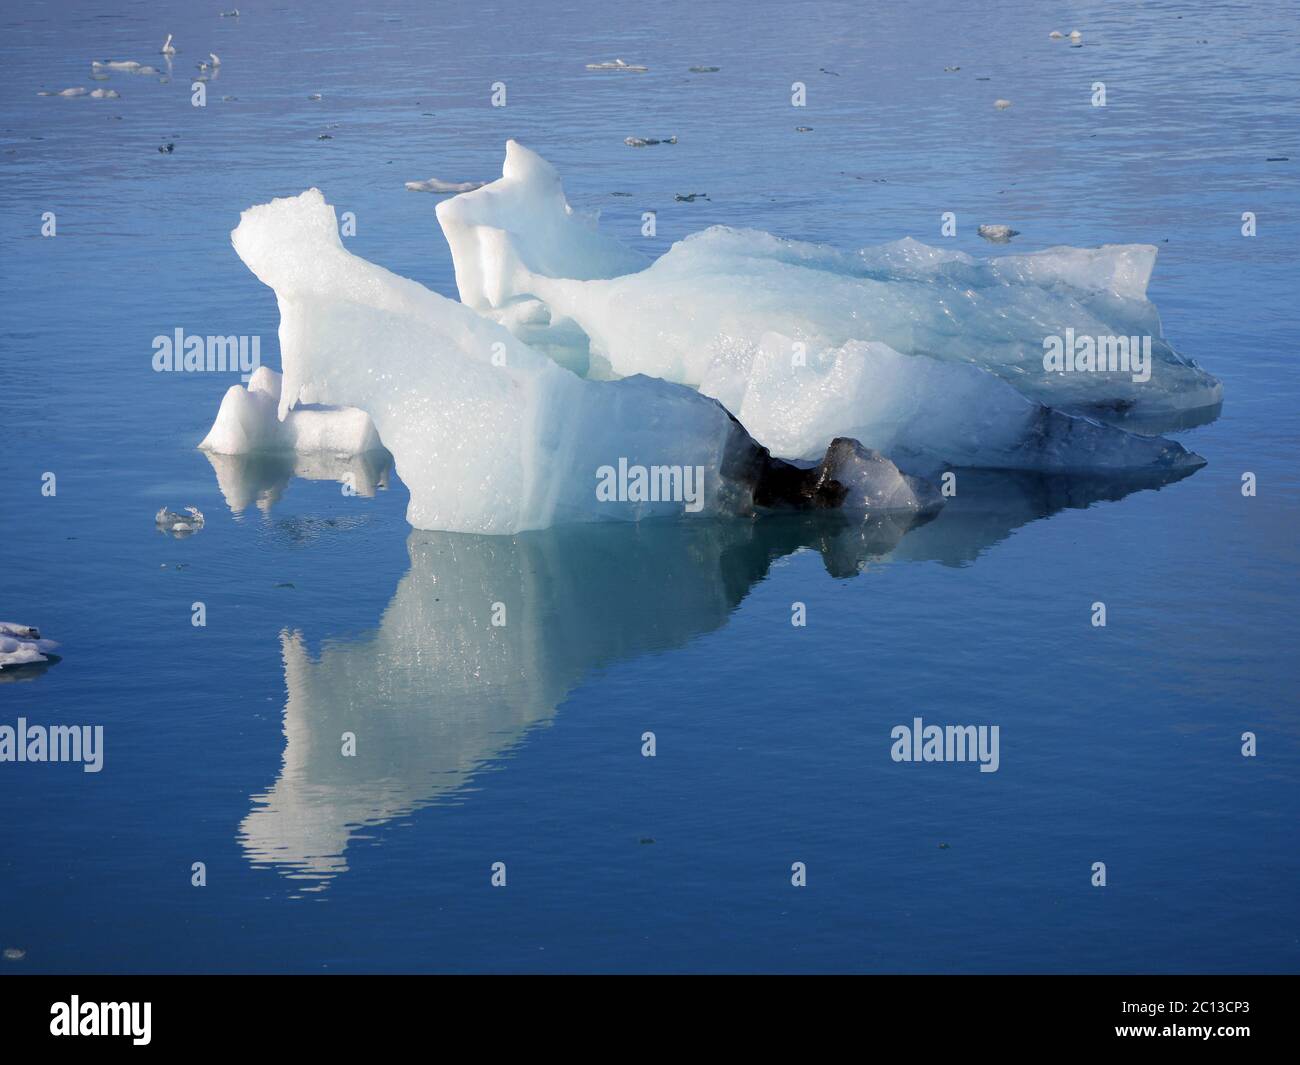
(439, 691)
(260, 478)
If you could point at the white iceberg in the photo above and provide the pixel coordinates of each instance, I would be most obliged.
(488, 434)
(715, 295)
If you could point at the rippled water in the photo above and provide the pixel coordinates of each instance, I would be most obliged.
(522, 744)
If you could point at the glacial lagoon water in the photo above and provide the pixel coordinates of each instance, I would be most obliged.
(326, 613)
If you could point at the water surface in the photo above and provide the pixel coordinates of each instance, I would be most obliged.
(476, 744)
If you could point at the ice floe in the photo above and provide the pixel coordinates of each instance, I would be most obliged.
(998, 234)
(434, 184)
(179, 525)
(22, 645)
(618, 64)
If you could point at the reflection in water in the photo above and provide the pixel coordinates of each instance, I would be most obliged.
(438, 691)
(262, 477)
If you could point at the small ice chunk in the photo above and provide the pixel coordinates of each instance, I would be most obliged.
(128, 65)
(1001, 105)
(105, 94)
(434, 184)
(79, 91)
(998, 234)
(1056, 35)
(645, 142)
(618, 64)
(168, 521)
(22, 645)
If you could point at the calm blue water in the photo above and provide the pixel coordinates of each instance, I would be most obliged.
(476, 744)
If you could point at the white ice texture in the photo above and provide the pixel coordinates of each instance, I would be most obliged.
(488, 435)
(911, 349)
(249, 421)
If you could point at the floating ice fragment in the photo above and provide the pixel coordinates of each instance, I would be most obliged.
(1056, 35)
(179, 525)
(645, 142)
(1001, 105)
(14, 954)
(22, 645)
(105, 94)
(998, 234)
(434, 184)
(618, 64)
(128, 65)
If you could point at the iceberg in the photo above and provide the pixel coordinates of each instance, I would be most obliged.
(699, 313)
(490, 435)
